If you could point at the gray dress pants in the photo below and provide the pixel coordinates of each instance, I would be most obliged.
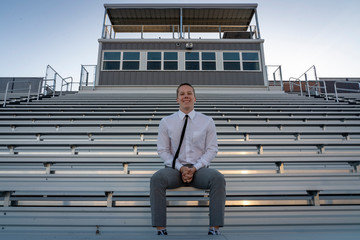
(204, 178)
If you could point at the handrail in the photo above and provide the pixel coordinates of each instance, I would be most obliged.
(7, 89)
(278, 69)
(345, 89)
(66, 84)
(44, 86)
(292, 84)
(308, 88)
(110, 31)
(316, 86)
(85, 80)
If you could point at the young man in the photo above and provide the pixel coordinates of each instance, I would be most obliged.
(190, 167)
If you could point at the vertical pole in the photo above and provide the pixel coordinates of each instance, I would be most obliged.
(307, 85)
(263, 66)
(104, 26)
(98, 66)
(336, 94)
(181, 23)
(81, 74)
(257, 23)
(274, 76)
(318, 82)
(61, 86)
(87, 78)
(6, 91)
(28, 97)
(40, 87)
(281, 79)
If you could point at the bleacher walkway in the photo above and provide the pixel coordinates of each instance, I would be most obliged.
(78, 167)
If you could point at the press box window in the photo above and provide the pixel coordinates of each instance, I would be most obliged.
(170, 61)
(192, 61)
(231, 61)
(165, 61)
(111, 61)
(154, 61)
(250, 61)
(131, 61)
(208, 61)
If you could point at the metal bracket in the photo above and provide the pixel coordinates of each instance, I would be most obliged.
(7, 202)
(48, 168)
(356, 166)
(126, 168)
(280, 166)
(315, 194)
(109, 200)
(246, 137)
(321, 149)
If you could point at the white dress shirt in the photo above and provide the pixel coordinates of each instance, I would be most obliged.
(199, 146)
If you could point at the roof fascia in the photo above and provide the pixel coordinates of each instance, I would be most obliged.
(221, 6)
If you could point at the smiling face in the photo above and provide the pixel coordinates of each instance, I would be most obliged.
(186, 98)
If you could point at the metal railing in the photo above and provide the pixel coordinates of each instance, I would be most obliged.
(49, 83)
(66, 83)
(16, 89)
(175, 32)
(276, 75)
(87, 76)
(345, 89)
(292, 83)
(312, 90)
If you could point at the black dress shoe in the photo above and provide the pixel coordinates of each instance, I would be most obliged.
(162, 232)
(213, 231)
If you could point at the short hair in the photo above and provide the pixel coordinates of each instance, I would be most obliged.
(184, 84)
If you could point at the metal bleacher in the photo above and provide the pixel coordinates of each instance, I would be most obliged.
(79, 165)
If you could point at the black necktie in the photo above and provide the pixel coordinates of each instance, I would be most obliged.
(181, 140)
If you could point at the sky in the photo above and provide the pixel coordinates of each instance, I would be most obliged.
(64, 34)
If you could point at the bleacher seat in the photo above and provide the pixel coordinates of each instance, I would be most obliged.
(82, 162)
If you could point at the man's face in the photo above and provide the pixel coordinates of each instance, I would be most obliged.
(186, 98)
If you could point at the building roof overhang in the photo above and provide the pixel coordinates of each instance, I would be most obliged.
(170, 14)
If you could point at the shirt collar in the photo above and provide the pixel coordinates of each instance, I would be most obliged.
(190, 114)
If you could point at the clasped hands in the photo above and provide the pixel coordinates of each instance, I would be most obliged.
(187, 174)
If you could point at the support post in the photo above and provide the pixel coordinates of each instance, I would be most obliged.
(103, 34)
(257, 24)
(181, 23)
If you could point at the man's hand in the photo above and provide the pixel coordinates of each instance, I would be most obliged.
(187, 174)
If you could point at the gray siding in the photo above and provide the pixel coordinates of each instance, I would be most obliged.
(176, 77)
(174, 46)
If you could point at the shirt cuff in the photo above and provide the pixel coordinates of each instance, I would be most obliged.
(198, 166)
(178, 166)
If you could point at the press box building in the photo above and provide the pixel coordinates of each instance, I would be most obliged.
(166, 44)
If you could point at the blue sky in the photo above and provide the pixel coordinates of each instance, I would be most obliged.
(64, 34)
